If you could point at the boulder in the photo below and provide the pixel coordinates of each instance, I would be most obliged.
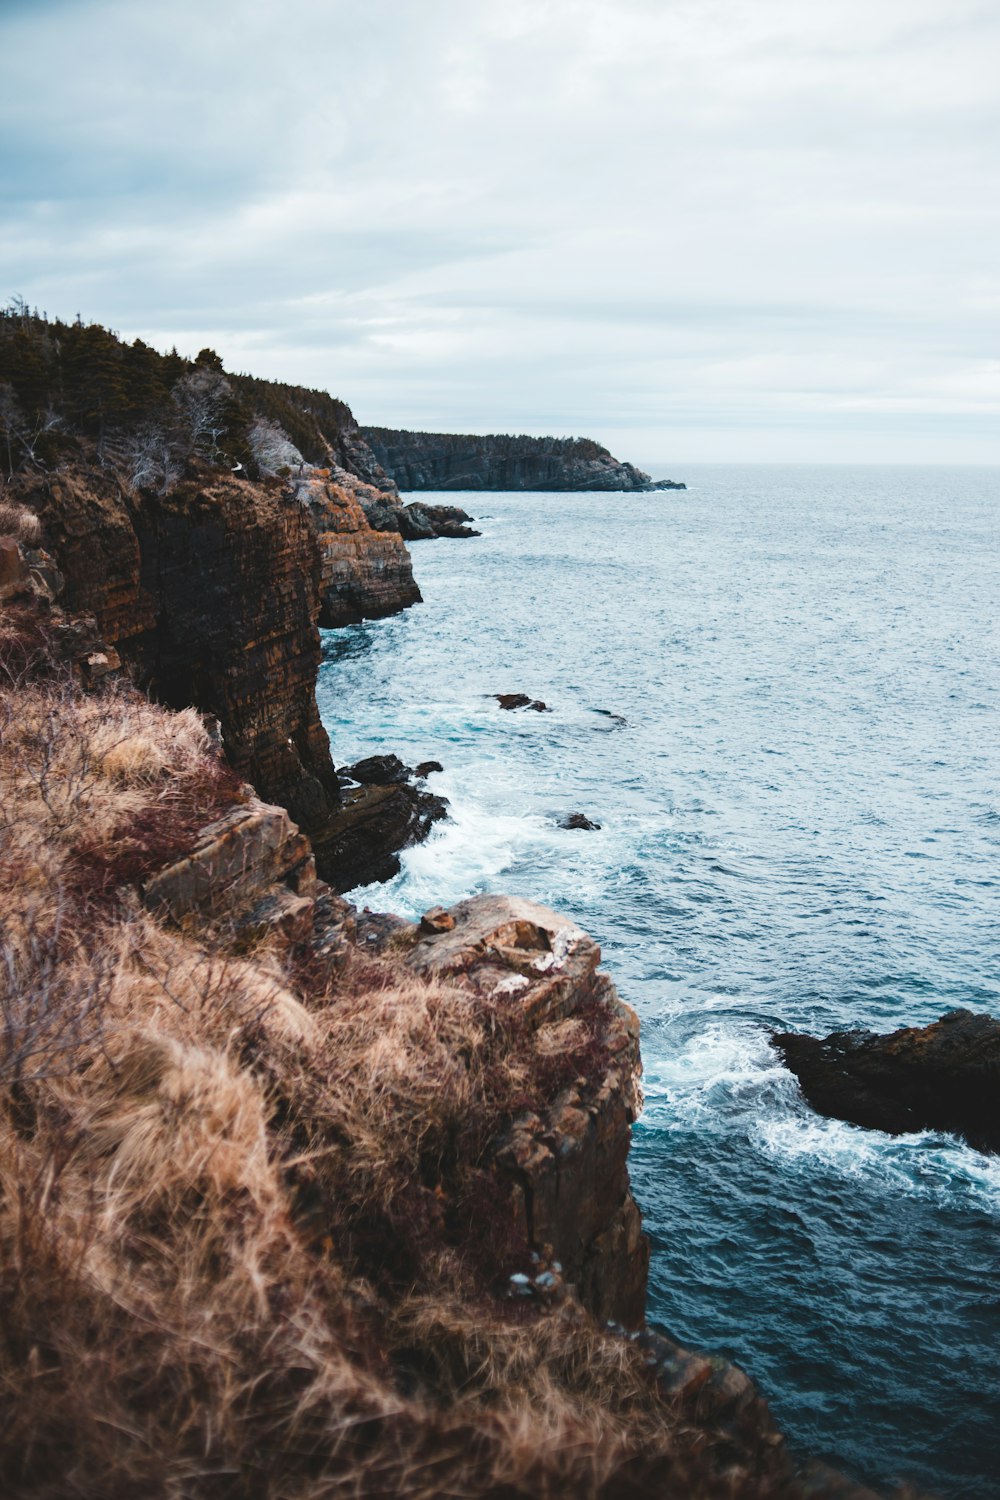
(579, 820)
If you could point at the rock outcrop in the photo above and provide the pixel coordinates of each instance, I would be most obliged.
(252, 867)
(565, 1162)
(417, 522)
(450, 461)
(940, 1077)
(364, 573)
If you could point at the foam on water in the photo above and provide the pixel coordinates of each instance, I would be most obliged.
(777, 693)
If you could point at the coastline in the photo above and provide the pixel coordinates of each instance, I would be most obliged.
(253, 873)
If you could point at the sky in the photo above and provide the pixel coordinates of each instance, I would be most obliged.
(697, 230)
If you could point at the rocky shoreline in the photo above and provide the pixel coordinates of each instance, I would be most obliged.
(447, 461)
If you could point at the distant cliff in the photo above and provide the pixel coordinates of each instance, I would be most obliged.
(450, 461)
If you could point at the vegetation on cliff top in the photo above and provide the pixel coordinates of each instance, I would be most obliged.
(147, 413)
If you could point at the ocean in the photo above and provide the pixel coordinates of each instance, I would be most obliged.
(777, 693)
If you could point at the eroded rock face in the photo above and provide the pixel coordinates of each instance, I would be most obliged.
(568, 1164)
(940, 1077)
(451, 461)
(211, 595)
(364, 574)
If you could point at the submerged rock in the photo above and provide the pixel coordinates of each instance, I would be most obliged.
(940, 1077)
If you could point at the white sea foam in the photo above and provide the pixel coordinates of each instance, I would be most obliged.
(726, 1076)
(468, 852)
(924, 1163)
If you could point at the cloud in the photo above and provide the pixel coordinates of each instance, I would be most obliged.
(668, 222)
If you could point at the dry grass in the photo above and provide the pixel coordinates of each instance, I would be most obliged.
(249, 1242)
(98, 791)
(19, 522)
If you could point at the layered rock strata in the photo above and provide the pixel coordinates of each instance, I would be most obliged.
(450, 461)
(940, 1077)
(365, 573)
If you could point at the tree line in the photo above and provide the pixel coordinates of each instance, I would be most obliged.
(144, 413)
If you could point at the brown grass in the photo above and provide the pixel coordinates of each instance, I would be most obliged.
(99, 791)
(250, 1245)
(17, 521)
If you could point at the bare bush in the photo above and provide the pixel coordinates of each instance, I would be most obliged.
(201, 398)
(19, 435)
(152, 459)
(272, 448)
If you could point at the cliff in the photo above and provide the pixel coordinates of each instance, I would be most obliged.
(211, 595)
(295, 1199)
(448, 461)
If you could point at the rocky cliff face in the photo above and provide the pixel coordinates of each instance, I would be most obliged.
(364, 573)
(448, 461)
(211, 595)
(566, 1162)
(359, 1176)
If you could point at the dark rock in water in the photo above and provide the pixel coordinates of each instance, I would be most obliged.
(362, 839)
(667, 484)
(381, 812)
(379, 770)
(440, 520)
(579, 820)
(427, 766)
(416, 522)
(521, 700)
(618, 719)
(940, 1077)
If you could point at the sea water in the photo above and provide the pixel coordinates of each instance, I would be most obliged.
(777, 693)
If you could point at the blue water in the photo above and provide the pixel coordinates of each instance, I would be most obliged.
(800, 829)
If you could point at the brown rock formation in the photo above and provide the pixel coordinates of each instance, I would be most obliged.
(567, 1162)
(252, 865)
(211, 596)
(364, 573)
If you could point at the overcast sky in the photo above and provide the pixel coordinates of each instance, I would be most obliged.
(695, 229)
